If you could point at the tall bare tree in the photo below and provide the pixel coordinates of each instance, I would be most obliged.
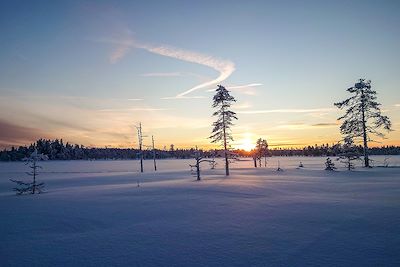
(363, 115)
(154, 153)
(140, 140)
(221, 132)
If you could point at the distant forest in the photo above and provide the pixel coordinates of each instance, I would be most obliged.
(57, 150)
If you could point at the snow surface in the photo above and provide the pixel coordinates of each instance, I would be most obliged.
(256, 217)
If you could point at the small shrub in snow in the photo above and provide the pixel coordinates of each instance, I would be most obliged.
(386, 162)
(329, 165)
(279, 169)
(213, 164)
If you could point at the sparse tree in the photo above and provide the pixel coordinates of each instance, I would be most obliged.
(222, 126)
(154, 153)
(329, 165)
(254, 156)
(349, 154)
(199, 159)
(213, 163)
(31, 187)
(363, 115)
(261, 150)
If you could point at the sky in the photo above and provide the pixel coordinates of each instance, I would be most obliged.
(89, 71)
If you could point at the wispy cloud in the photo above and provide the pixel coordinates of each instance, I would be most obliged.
(286, 144)
(242, 106)
(247, 89)
(119, 53)
(13, 134)
(183, 97)
(294, 126)
(324, 124)
(245, 86)
(131, 109)
(135, 99)
(397, 105)
(315, 110)
(224, 67)
(161, 74)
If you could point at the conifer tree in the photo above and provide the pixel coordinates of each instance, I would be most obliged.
(329, 165)
(349, 154)
(31, 187)
(221, 132)
(363, 115)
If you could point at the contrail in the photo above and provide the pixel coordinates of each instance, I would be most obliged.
(224, 67)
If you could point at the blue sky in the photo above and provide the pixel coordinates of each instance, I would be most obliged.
(87, 71)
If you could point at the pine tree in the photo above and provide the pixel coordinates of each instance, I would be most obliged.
(363, 116)
(222, 126)
(349, 154)
(31, 187)
(329, 165)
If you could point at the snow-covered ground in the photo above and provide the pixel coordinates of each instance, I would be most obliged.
(94, 214)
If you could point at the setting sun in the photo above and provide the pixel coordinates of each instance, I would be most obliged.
(246, 144)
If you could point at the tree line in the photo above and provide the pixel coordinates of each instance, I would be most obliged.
(58, 150)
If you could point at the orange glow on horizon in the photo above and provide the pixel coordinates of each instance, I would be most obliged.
(245, 144)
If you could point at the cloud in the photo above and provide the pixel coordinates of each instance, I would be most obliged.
(397, 105)
(244, 86)
(242, 106)
(119, 53)
(135, 99)
(132, 109)
(59, 124)
(182, 97)
(247, 89)
(161, 74)
(328, 124)
(315, 110)
(224, 67)
(286, 144)
(12, 134)
(294, 126)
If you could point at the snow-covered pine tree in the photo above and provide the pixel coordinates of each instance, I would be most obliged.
(329, 165)
(349, 154)
(363, 116)
(222, 126)
(31, 187)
